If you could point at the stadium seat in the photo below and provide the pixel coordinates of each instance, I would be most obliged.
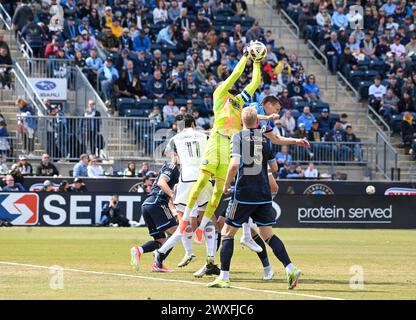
(232, 21)
(160, 102)
(356, 76)
(219, 20)
(363, 88)
(144, 104)
(247, 21)
(180, 102)
(125, 103)
(318, 106)
(225, 12)
(370, 74)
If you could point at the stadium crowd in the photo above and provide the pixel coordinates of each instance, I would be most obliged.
(160, 59)
(374, 48)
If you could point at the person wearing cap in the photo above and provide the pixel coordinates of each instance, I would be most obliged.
(125, 39)
(203, 24)
(81, 168)
(52, 47)
(23, 166)
(141, 42)
(12, 186)
(156, 86)
(109, 41)
(397, 48)
(296, 89)
(108, 75)
(71, 30)
(107, 18)
(47, 186)
(79, 185)
(266, 91)
(325, 122)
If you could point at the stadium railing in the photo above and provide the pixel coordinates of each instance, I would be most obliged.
(67, 137)
(79, 88)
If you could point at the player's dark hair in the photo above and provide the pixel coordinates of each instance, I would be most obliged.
(272, 99)
(189, 120)
(233, 91)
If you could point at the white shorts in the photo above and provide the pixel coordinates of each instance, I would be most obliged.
(183, 189)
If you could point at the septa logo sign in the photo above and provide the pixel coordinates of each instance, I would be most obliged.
(21, 209)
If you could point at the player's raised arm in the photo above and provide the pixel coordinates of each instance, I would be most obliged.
(251, 88)
(283, 141)
(228, 83)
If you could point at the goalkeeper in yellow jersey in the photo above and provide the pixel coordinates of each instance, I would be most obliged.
(227, 122)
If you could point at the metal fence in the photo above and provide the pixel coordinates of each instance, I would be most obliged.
(67, 138)
(386, 157)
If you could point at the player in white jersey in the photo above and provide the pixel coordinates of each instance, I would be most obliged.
(189, 145)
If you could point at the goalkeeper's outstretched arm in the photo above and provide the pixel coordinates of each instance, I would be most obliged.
(251, 88)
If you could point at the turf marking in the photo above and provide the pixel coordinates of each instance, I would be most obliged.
(169, 280)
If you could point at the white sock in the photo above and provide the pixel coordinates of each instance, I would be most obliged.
(170, 243)
(187, 242)
(224, 275)
(289, 268)
(204, 222)
(267, 269)
(246, 230)
(186, 214)
(210, 240)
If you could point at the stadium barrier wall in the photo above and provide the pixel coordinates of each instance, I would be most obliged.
(292, 211)
(291, 186)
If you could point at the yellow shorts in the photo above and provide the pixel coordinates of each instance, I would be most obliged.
(216, 157)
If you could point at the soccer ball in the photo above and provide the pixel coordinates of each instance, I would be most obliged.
(370, 190)
(258, 51)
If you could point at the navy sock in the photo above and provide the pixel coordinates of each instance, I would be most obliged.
(227, 251)
(218, 234)
(279, 250)
(150, 246)
(262, 255)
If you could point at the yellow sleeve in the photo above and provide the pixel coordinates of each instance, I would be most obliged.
(251, 88)
(222, 90)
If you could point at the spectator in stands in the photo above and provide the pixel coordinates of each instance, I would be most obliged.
(397, 48)
(376, 92)
(389, 105)
(279, 130)
(191, 87)
(81, 168)
(71, 30)
(21, 16)
(339, 149)
(283, 157)
(306, 118)
(167, 36)
(46, 168)
(311, 88)
(368, 46)
(64, 186)
(285, 99)
(156, 86)
(202, 23)
(131, 171)
(5, 68)
(408, 130)
(275, 87)
(411, 47)
(146, 172)
(34, 35)
(108, 75)
(170, 111)
(296, 89)
(311, 171)
(266, 92)
(12, 186)
(355, 146)
(52, 47)
(160, 14)
(79, 185)
(297, 173)
(333, 51)
(141, 42)
(289, 123)
(300, 133)
(109, 41)
(325, 122)
(339, 19)
(26, 125)
(23, 166)
(47, 186)
(94, 169)
(240, 7)
(4, 140)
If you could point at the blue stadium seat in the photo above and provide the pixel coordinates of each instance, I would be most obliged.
(135, 113)
(247, 21)
(180, 102)
(160, 102)
(197, 102)
(300, 104)
(363, 88)
(370, 74)
(356, 76)
(334, 117)
(219, 20)
(318, 106)
(144, 104)
(228, 12)
(125, 103)
(232, 21)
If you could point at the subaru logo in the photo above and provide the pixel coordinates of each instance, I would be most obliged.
(45, 85)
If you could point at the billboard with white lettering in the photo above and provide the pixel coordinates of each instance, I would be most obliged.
(54, 89)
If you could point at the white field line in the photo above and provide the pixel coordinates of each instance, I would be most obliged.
(124, 275)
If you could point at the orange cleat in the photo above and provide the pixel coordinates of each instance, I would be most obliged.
(163, 269)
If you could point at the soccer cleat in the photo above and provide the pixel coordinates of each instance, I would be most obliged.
(201, 272)
(187, 259)
(293, 278)
(135, 255)
(198, 236)
(209, 269)
(268, 274)
(162, 269)
(251, 244)
(182, 227)
(218, 283)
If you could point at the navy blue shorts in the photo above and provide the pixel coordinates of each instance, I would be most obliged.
(158, 218)
(239, 213)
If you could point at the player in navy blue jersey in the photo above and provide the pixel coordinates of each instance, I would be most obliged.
(251, 155)
(157, 214)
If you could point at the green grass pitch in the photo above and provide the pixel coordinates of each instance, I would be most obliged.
(95, 264)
